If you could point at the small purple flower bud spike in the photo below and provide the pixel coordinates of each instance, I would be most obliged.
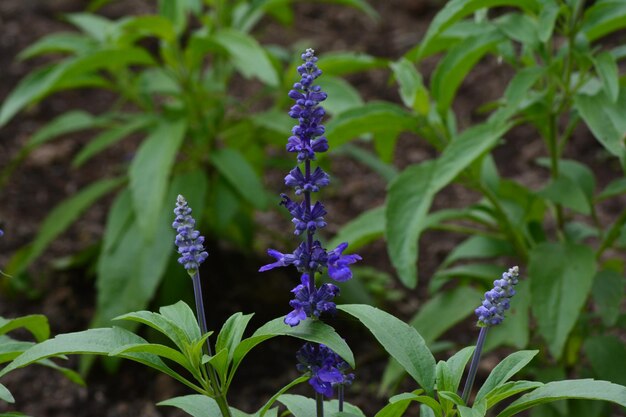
(491, 313)
(188, 240)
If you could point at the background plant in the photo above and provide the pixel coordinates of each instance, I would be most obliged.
(565, 75)
(172, 74)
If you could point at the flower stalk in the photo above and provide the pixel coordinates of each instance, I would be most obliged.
(190, 246)
(490, 313)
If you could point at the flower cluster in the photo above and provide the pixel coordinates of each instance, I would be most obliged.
(188, 240)
(497, 300)
(309, 257)
(326, 367)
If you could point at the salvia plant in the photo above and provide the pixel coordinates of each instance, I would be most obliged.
(172, 75)
(207, 364)
(564, 59)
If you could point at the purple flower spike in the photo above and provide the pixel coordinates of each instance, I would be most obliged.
(188, 240)
(338, 268)
(326, 367)
(309, 257)
(497, 300)
(310, 304)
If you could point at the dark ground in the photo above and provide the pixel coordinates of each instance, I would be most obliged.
(45, 179)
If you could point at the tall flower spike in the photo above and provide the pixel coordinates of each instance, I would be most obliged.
(188, 240)
(308, 217)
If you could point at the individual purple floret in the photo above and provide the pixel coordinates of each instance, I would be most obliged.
(497, 300)
(307, 304)
(189, 242)
(326, 367)
(308, 217)
(1, 232)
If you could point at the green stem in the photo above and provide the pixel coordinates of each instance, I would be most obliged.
(518, 241)
(219, 396)
(319, 404)
(471, 375)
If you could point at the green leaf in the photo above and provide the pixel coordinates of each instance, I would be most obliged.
(547, 19)
(69, 122)
(149, 173)
(61, 217)
(37, 324)
(474, 271)
(411, 86)
(426, 400)
(31, 88)
(606, 67)
(453, 68)
(560, 390)
(310, 330)
(138, 27)
(478, 247)
(562, 190)
(183, 317)
(248, 56)
(509, 389)
(607, 292)
(109, 137)
(130, 267)
(606, 120)
(5, 394)
(519, 27)
(344, 63)
(232, 331)
(400, 340)
(241, 176)
(615, 188)
(455, 366)
(518, 92)
(373, 117)
(96, 26)
(341, 95)
(602, 18)
(508, 367)
(444, 310)
(263, 410)
(61, 42)
(365, 228)
(455, 10)
(559, 289)
(301, 406)
(361, 5)
(161, 324)
(607, 354)
(154, 349)
(194, 405)
(93, 341)
(411, 193)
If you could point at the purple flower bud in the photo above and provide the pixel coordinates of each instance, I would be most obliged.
(497, 300)
(189, 242)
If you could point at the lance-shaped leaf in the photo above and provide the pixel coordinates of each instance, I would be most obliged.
(508, 367)
(149, 173)
(561, 275)
(587, 389)
(411, 194)
(400, 340)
